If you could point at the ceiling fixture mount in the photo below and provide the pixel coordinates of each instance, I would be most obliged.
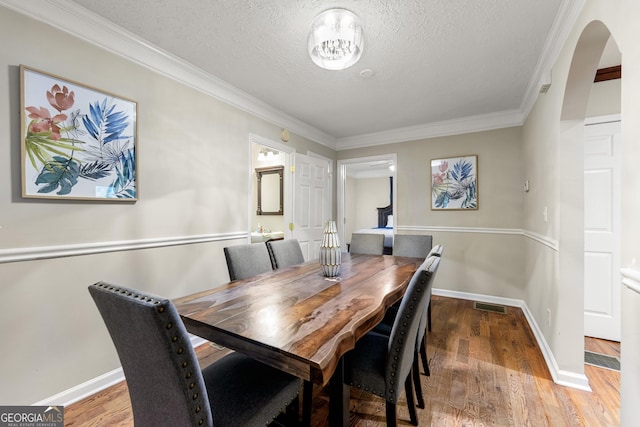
(335, 40)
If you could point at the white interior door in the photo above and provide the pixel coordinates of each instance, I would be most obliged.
(602, 231)
(312, 202)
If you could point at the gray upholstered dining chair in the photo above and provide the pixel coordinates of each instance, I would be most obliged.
(385, 326)
(166, 385)
(285, 253)
(413, 245)
(381, 364)
(435, 251)
(247, 260)
(371, 244)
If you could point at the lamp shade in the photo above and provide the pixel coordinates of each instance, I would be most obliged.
(335, 40)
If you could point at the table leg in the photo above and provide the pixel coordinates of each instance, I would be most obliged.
(339, 394)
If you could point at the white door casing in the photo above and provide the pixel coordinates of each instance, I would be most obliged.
(287, 186)
(390, 158)
(602, 206)
(311, 201)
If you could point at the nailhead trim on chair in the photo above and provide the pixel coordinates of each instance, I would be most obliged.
(391, 397)
(196, 398)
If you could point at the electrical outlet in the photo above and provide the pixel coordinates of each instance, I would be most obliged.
(549, 316)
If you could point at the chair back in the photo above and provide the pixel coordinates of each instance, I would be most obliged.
(162, 372)
(422, 327)
(285, 253)
(413, 245)
(404, 332)
(371, 244)
(247, 260)
(436, 251)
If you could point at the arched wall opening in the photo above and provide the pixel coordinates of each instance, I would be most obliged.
(579, 84)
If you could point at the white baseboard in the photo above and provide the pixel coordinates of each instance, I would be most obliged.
(95, 385)
(566, 378)
(84, 390)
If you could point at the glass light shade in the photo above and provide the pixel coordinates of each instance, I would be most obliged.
(335, 41)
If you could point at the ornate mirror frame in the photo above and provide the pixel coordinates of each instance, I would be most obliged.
(260, 174)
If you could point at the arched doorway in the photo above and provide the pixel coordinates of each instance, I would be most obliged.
(571, 197)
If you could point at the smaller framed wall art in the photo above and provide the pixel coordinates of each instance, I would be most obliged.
(78, 142)
(454, 183)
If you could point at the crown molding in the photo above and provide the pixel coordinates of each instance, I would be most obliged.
(92, 28)
(560, 29)
(79, 22)
(562, 25)
(499, 120)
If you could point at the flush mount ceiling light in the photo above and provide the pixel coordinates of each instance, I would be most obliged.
(335, 41)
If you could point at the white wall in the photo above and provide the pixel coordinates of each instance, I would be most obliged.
(553, 162)
(193, 171)
(605, 98)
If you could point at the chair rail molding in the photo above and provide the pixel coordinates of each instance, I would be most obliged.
(631, 279)
(545, 240)
(47, 252)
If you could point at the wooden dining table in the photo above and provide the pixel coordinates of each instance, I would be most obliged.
(299, 321)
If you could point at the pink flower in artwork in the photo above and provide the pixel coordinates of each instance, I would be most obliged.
(60, 99)
(443, 166)
(43, 122)
(437, 178)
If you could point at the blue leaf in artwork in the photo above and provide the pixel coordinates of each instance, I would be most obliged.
(470, 201)
(95, 170)
(125, 182)
(461, 170)
(104, 124)
(442, 200)
(60, 172)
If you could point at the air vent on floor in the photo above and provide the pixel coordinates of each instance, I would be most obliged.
(602, 360)
(494, 308)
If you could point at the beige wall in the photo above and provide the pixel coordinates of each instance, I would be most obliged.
(56, 338)
(370, 194)
(350, 206)
(194, 172)
(483, 255)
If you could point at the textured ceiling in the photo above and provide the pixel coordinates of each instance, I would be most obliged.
(434, 60)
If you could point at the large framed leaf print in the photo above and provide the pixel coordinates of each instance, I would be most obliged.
(454, 183)
(77, 142)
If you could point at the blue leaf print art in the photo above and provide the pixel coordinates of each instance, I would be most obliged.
(79, 142)
(454, 183)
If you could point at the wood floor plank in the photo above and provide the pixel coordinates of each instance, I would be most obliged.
(486, 370)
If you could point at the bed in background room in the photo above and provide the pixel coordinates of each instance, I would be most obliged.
(385, 226)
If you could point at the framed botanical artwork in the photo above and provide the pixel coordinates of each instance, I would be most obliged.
(454, 183)
(77, 142)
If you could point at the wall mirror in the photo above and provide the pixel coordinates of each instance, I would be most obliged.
(270, 190)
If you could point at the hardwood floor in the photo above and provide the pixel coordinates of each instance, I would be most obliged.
(486, 370)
